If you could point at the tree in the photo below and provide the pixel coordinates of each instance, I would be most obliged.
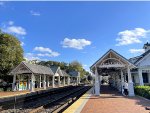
(74, 65)
(11, 53)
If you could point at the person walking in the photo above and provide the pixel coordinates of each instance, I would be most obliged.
(125, 88)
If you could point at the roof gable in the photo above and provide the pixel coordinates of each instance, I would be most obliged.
(73, 73)
(142, 57)
(113, 54)
(32, 68)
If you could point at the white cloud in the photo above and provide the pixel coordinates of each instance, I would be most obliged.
(131, 36)
(22, 44)
(47, 52)
(42, 49)
(84, 65)
(35, 13)
(10, 22)
(9, 27)
(31, 56)
(136, 50)
(75, 43)
(53, 54)
(16, 30)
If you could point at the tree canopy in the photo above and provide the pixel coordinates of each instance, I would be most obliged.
(74, 65)
(11, 53)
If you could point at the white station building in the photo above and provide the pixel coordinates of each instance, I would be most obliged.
(135, 71)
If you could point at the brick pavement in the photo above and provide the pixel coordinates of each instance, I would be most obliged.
(111, 101)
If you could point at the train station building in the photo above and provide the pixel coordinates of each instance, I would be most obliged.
(135, 71)
(27, 76)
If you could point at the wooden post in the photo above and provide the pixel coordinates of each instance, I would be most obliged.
(40, 81)
(28, 86)
(47, 81)
(64, 80)
(32, 84)
(68, 80)
(53, 81)
(44, 81)
(58, 81)
(14, 83)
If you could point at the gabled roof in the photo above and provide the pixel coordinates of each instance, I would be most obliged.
(142, 56)
(64, 73)
(54, 68)
(74, 73)
(134, 59)
(111, 50)
(34, 68)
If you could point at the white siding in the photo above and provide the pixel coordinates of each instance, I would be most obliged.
(136, 77)
(145, 61)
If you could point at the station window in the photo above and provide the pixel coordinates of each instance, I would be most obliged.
(145, 77)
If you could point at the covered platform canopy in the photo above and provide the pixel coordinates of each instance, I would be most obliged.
(117, 68)
(74, 76)
(28, 76)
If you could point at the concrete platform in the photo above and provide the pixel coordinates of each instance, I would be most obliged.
(78, 105)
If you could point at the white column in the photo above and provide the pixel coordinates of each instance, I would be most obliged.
(53, 81)
(130, 83)
(68, 80)
(47, 81)
(122, 81)
(44, 81)
(28, 84)
(97, 84)
(148, 77)
(76, 80)
(40, 82)
(140, 77)
(64, 81)
(32, 84)
(14, 83)
(59, 81)
(79, 79)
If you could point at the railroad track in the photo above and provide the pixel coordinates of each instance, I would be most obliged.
(61, 103)
(40, 102)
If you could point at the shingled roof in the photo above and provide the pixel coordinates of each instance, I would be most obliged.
(73, 73)
(64, 73)
(34, 68)
(54, 69)
(142, 56)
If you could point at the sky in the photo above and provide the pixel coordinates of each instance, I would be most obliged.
(82, 31)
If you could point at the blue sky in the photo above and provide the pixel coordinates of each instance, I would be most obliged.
(83, 31)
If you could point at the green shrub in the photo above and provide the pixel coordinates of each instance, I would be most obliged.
(143, 91)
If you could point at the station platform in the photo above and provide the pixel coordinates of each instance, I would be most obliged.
(110, 101)
(8, 94)
(78, 105)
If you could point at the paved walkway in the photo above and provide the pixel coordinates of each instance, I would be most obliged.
(112, 102)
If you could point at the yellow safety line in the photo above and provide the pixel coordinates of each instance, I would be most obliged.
(79, 104)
